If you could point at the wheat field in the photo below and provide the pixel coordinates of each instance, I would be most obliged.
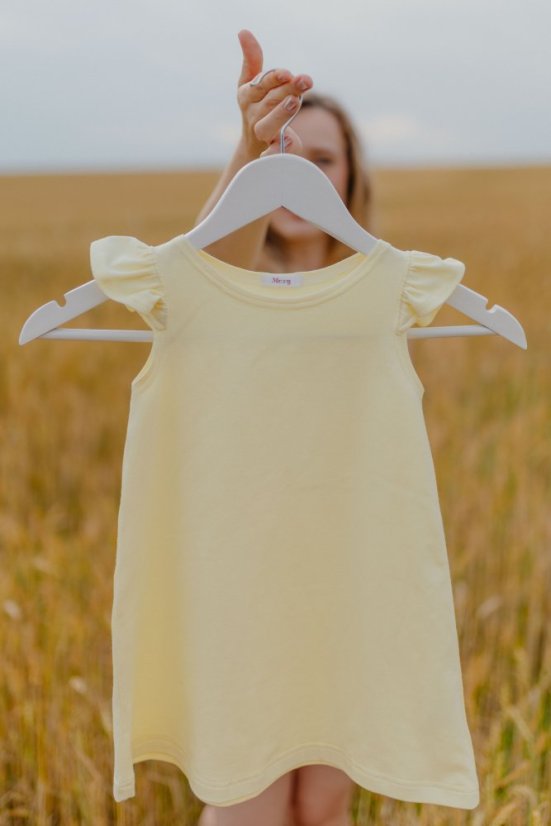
(64, 409)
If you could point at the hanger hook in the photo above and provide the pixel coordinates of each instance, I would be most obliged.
(256, 82)
(285, 125)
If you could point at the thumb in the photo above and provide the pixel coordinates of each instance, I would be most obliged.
(252, 56)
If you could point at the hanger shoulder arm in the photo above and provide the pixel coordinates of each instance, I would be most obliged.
(265, 184)
(51, 315)
(497, 318)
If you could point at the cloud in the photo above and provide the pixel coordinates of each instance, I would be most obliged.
(397, 129)
(396, 134)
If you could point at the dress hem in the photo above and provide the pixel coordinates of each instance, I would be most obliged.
(239, 791)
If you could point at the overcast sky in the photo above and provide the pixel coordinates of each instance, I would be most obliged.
(131, 84)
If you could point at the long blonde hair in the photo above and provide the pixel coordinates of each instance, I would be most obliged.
(359, 195)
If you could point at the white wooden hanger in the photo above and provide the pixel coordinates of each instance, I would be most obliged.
(257, 189)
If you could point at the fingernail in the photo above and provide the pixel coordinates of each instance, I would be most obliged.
(290, 104)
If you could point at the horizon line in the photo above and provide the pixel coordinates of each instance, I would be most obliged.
(218, 168)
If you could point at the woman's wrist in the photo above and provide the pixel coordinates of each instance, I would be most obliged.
(249, 146)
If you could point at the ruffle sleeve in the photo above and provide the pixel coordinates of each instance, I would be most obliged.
(429, 282)
(125, 270)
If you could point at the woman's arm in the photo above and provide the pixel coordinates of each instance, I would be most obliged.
(242, 247)
(263, 114)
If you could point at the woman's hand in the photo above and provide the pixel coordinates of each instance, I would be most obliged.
(263, 106)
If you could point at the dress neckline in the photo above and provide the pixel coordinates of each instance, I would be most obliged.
(317, 285)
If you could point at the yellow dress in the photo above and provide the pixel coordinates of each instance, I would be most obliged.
(282, 592)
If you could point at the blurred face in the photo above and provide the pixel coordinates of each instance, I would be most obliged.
(324, 145)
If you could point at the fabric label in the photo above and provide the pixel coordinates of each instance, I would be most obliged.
(272, 280)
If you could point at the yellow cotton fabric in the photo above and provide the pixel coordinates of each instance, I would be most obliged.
(282, 592)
